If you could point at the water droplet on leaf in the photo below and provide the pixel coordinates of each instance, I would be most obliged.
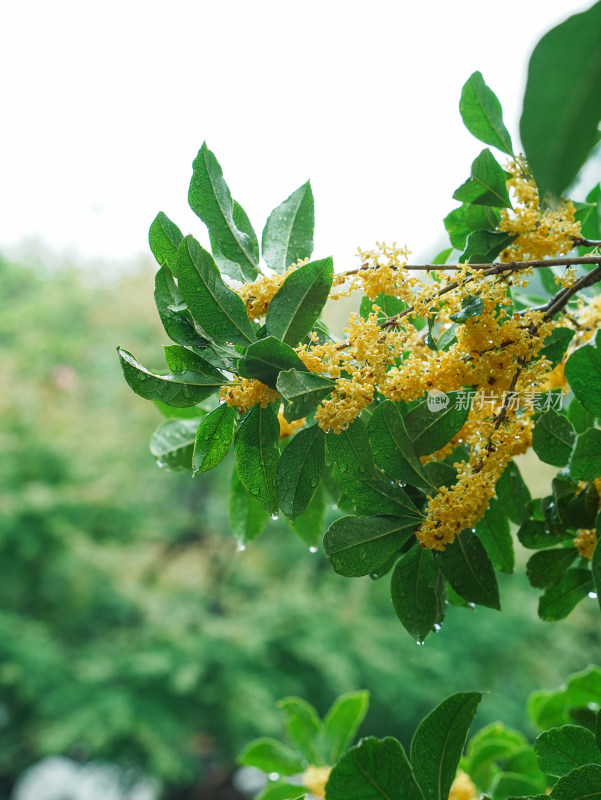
(241, 548)
(314, 550)
(592, 595)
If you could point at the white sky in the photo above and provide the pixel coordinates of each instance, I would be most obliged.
(106, 104)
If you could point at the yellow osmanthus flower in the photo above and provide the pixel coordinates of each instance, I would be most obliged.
(315, 779)
(459, 507)
(539, 232)
(463, 788)
(258, 295)
(368, 354)
(244, 393)
(382, 272)
(585, 542)
(346, 402)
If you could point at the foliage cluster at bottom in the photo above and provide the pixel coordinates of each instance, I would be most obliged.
(499, 763)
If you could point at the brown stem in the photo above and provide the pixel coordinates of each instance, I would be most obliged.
(509, 265)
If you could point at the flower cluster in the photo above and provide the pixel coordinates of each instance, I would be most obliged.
(539, 232)
(585, 542)
(315, 779)
(244, 393)
(463, 788)
(258, 295)
(460, 506)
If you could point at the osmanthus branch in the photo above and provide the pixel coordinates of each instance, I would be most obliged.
(560, 300)
(516, 266)
(510, 266)
(579, 242)
(556, 304)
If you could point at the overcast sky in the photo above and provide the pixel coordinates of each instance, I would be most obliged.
(106, 104)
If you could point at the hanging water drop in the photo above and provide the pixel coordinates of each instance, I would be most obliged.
(314, 550)
(241, 548)
(437, 627)
(275, 516)
(419, 642)
(274, 776)
(592, 595)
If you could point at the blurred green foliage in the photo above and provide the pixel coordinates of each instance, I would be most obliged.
(130, 628)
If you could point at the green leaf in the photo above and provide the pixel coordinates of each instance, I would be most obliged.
(553, 436)
(257, 455)
(357, 546)
(174, 314)
(303, 392)
(514, 786)
(389, 306)
(561, 750)
(591, 224)
(536, 535)
(487, 185)
(442, 257)
(558, 601)
(484, 246)
(179, 358)
(297, 305)
(580, 418)
(585, 687)
(513, 494)
(288, 234)
(164, 237)
(270, 755)
(438, 743)
(375, 769)
(432, 425)
(556, 345)
(210, 199)
(181, 389)
(596, 563)
(583, 783)
(490, 745)
(440, 473)
(563, 95)
(583, 373)
(494, 533)
(598, 730)
(469, 570)
(265, 359)
(482, 114)
(246, 517)
(393, 450)
(231, 268)
(414, 592)
(216, 308)
(300, 469)
(376, 494)
(547, 567)
(173, 441)
(303, 727)
(585, 460)
(190, 412)
(350, 450)
(282, 791)
(213, 439)
(309, 526)
(342, 722)
(457, 227)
